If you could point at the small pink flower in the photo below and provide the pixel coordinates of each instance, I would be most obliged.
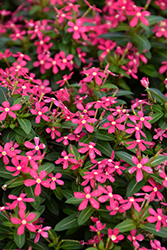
(157, 216)
(54, 180)
(113, 235)
(38, 181)
(40, 112)
(19, 200)
(66, 160)
(89, 147)
(154, 189)
(6, 109)
(24, 221)
(134, 238)
(88, 197)
(145, 82)
(41, 231)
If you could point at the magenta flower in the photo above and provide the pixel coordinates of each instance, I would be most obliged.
(145, 82)
(18, 167)
(131, 201)
(41, 231)
(19, 200)
(164, 176)
(113, 123)
(38, 181)
(24, 221)
(89, 147)
(6, 109)
(108, 194)
(84, 122)
(134, 238)
(156, 217)
(55, 179)
(139, 16)
(139, 167)
(156, 245)
(94, 73)
(154, 189)
(113, 235)
(78, 29)
(99, 227)
(66, 160)
(5, 152)
(36, 147)
(40, 112)
(88, 197)
(140, 144)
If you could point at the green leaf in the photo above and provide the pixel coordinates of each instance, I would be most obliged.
(52, 206)
(30, 194)
(134, 187)
(104, 148)
(73, 201)
(73, 150)
(10, 246)
(48, 167)
(58, 193)
(5, 174)
(151, 229)
(38, 246)
(158, 160)
(3, 94)
(124, 93)
(126, 226)
(19, 239)
(156, 117)
(125, 156)
(103, 135)
(109, 86)
(25, 125)
(91, 248)
(21, 99)
(157, 93)
(149, 70)
(71, 244)
(85, 215)
(17, 183)
(141, 42)
(154, 19)
(67, 223)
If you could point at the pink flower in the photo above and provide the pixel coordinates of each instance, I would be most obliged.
(140, 144)
(164, 176)
(55, 179)
(41, 231)
(139, 167)
(139, 16)
(88, 197)
(78, 29)
(18, 167)
(38, 181)
(108, 195)
(84, 122)
(154, 189)
(36, 147)
(94, 73)
(145, 82)
(156, 217)
(40, 112)
(24, 221)
(6, 109)
(19, 200)
(5, 152)
(89, 147)
(66, 160)
(131, 201)
(156, 245)
(113, 235)
(113, 123)
(134, 238)
(99, 227)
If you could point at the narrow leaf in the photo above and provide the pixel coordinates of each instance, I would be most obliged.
(85, 215)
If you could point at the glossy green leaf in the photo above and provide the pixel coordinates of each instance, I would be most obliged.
(19, 239)
(67, 223)
(25, 125)
(74, 201)
(156, 117)
(141, 42)
(134, 187)
(126, 225)
(157, 93)
(85, 215)
(71, 244)
(125, 157)
(153, 19)
(109, 86)
(48, 167)
(58, 193)
(158, 160)
(151, 229)
(103, 135)
(52, 206)
(39, 245)
(104, 147)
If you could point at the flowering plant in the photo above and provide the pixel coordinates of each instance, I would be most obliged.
(82, 153)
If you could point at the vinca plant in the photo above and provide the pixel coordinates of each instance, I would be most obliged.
(83, 125)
